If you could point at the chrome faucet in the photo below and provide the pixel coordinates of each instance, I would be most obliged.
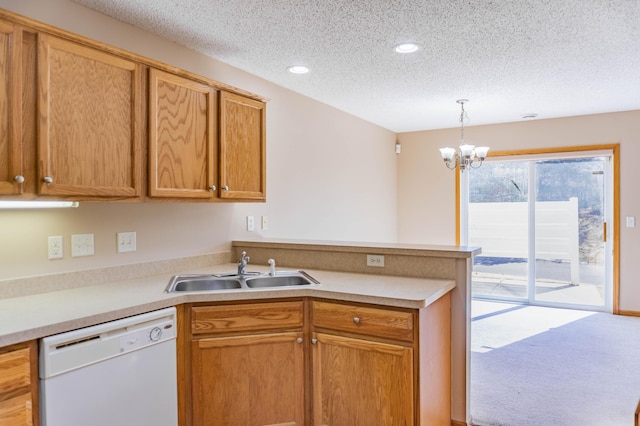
(243, 263)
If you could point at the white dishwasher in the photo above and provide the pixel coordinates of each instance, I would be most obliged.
(119, 373)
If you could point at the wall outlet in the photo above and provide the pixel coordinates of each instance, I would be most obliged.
(55, 248)
(631, 221)
(126, 242)
(81, 245)
(375, 260)
(250, 223)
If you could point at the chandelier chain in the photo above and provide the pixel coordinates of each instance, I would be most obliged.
(461, 122)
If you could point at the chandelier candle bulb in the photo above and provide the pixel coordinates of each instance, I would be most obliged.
(481, 152)
(466, 150)
(447, 153)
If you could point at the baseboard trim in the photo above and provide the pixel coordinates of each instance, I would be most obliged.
(629, 313)
(458, 423)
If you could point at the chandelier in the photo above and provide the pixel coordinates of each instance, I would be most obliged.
(466, 155)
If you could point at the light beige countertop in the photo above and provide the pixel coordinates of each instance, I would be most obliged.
(39, 315)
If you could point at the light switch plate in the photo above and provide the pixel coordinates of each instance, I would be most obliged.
(126, 242)
(631, 221)
(81, 245)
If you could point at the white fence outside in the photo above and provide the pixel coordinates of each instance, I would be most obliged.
(501, 229)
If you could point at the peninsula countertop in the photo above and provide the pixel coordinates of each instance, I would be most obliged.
(31, 317)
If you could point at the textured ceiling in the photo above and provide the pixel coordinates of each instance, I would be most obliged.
(508, 57)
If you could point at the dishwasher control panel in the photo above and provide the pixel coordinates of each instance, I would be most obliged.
(136, 339)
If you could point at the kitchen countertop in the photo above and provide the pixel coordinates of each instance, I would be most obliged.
(35, 316)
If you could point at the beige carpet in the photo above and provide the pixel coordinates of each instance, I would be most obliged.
(535, 366)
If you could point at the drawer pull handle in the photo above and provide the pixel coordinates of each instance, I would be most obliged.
(213, 187)
(356, 320)
(48, 179)
(299, 340)
(314, 341)
(19, 179)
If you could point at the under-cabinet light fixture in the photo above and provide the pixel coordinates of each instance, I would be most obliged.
(15, 205)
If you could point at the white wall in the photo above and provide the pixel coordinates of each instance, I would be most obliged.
(426, 188)
(329, 175)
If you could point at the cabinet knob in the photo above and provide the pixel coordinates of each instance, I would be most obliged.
(356, 320)
(226, 188)
(213, 187)
(48, 179)
(19, 179)
(299, 340)
(314, 341)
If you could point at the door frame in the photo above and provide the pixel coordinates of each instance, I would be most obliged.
(612, 233)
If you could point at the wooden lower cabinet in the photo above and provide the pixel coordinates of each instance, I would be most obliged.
(247, 364)
(315, 362)
(19, 385)
(376, 365)
(249, 380)
(360, 382)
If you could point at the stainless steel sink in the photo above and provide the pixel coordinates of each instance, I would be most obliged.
(251, 280)
(206, 284)
(284, 280)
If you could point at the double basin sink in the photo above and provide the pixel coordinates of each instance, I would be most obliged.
(249, 280)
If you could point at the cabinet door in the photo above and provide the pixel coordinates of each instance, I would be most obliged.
(242, 148)
(16, 411)
(253, 380)
(360, 382)
(89, 121)
(18, 381)
(182, 135)
(11, 174)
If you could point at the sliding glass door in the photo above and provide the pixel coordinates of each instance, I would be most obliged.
(541, 224)
(498, 222)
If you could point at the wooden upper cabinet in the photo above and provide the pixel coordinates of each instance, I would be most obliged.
(90, 121)
(242, 148)
(182, 137)
(11, 173)
(75, 113)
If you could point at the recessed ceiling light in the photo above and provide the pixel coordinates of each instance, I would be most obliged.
(529, 115)
(408, 47)
(298, 69)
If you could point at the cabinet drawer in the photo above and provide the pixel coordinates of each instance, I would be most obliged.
(363, 320)
(255, 316)
(15, 372)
